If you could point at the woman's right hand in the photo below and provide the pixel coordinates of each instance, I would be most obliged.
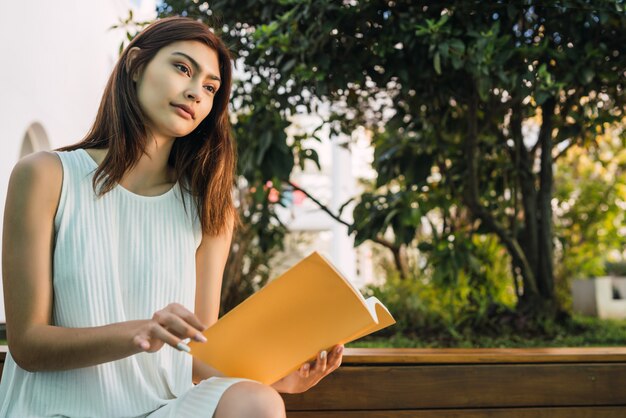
(169, 325)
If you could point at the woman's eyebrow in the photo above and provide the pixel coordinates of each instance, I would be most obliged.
(197, 66)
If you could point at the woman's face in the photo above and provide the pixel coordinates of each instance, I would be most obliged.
(177, 87)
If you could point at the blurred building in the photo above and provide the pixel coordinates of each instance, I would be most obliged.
(343, 161)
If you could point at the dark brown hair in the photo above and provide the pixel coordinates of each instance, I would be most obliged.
(204, 160)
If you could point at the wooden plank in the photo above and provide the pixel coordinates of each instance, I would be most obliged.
(472, 356)
(463, 386)
(483, 355)
(588, 412)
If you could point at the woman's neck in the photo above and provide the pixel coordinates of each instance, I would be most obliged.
(151, 175)
(152, 168)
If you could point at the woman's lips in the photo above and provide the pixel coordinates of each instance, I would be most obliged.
(187, 114)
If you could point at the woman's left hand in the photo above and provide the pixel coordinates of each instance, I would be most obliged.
(309, 375)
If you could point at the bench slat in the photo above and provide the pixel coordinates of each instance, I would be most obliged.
(464, 386)
(597, 412)
(483, 355)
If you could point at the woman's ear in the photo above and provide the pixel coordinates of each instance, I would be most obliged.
(132, 54)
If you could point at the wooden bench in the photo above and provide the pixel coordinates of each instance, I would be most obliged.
(461, 383)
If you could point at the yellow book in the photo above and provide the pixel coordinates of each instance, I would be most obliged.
(309, 308)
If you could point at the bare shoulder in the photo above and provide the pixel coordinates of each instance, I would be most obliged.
(42, 161)
(41, 174)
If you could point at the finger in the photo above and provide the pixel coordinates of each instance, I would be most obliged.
(141, 342)
(187, 316)
(338, 350)
(158, 331)
(192, 323)
(182, 345)
(321, 363)
(177, 325)
(304, 370)
(336, 358)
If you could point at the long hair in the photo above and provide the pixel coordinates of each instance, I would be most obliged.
(203, 161)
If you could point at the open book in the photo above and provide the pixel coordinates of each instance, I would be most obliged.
(309, 308)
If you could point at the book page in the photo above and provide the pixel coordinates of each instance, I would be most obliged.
(382, 318)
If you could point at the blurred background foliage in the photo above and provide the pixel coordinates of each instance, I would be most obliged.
(590, 213)
(498, 139)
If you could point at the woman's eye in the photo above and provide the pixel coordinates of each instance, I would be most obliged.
(182, 68)
(210, 89)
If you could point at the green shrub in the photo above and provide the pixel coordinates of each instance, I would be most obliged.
(465, 286)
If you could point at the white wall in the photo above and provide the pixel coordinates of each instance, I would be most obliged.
(56, 58)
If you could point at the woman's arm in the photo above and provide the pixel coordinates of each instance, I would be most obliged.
(28, 240)
(211, 259)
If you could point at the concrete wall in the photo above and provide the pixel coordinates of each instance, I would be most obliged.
(594, 297)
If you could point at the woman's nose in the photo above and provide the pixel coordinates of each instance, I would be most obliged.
(191, 94)
(194, 89)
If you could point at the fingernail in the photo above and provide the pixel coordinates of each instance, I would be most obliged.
(145, 345)
(200, 337)
(183, 347)
(338, 350)
(305, 367)
(323, 355)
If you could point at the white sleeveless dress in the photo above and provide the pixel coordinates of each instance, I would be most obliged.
(119, 257)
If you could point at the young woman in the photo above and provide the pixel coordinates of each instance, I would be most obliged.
(114, 248)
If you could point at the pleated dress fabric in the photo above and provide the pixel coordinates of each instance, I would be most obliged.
(118, 257)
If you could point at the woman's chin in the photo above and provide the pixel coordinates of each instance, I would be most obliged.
(179, 133)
